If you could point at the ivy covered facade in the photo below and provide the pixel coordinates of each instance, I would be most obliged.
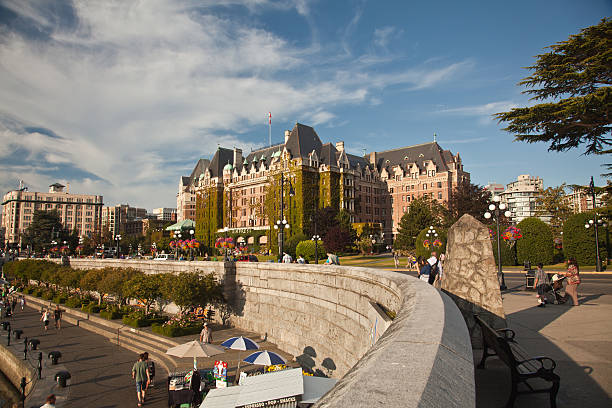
(243, 193)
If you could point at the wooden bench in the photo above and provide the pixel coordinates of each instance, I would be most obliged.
(522, 367)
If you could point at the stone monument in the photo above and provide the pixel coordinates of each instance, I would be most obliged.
(470, 275)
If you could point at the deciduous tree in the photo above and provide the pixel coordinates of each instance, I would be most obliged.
(468, 198)
(552, 202)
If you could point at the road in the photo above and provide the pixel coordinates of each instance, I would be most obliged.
(591, 284)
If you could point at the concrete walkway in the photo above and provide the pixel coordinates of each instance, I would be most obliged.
(579, 339)
(101, 370)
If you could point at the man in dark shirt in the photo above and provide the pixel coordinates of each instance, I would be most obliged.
(141, 375)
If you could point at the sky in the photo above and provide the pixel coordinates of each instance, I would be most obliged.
(121, 98)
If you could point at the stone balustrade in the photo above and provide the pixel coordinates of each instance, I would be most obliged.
(391, 339)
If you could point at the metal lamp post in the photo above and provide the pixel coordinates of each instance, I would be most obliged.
(118, 238)
(191, 232)
(81, 240)
(282, 224)
(154, 248)
(177, 236)
(431, 233)
(226, 229)
(496, 207)
(596, 223)
(316, 239)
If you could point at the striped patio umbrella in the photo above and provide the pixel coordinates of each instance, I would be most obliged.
(265, 358)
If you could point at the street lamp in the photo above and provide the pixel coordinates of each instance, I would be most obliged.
(226, 229)
(177, 236)
(191, 232)
(596, 223)
(81, 240)
(316, 240)
(117, 238)
(154, 248)
(497, 207)
(282, 224)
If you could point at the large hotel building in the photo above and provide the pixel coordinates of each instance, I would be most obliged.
(77, 211)
(242, 193)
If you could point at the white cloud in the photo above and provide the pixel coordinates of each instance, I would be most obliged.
(133, 88)
(383, 35)
(485, 109)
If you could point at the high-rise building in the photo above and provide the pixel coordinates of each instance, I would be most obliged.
(521, 195)
(123, 219)
(244, 193)
(82, 212)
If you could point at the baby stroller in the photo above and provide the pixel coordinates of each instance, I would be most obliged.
(556, 288)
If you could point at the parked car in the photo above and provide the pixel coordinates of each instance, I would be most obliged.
(164, 257)
(247, 258)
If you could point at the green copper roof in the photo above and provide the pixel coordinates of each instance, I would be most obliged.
(227, 167)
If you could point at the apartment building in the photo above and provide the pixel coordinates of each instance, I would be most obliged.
(581, 200)
(164, 214)
(82, 212)
(520, 196)
(123, 219)
(243, 193)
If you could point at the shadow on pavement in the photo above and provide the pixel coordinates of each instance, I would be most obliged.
(578, 388)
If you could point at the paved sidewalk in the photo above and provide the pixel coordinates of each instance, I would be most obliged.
(579, 339)
(101, 370)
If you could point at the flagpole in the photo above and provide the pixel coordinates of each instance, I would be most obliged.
(269, 129)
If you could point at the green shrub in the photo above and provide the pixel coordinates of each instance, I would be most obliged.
(47, 294)
(110, 315)
(135, 321)
(508, 252)
(175, 331)
(307, 250)
(536, 245)
(579, 242)
(61, 299)
(38, 292)
(291, 243)
(425, 252)
(74, 302)
(93, 307)
(29, 290)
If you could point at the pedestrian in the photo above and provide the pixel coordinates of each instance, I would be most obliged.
(301, 260)
(541, 285)
(57, 316)
(206, 334)
(433, 261)
(49, 402)
(45, 319)
(22, 302)
(573, 280)
(140, 374)
(396, 259)
(14, 304)
(286, 258)
(151, 368)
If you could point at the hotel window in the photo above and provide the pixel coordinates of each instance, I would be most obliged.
(424, 186)
(439, 184)
(439, 195)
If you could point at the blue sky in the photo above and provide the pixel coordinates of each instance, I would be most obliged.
(121, 98)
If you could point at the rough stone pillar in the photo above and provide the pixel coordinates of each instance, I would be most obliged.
(470, 275)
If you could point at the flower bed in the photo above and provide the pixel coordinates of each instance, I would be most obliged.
(178, 326)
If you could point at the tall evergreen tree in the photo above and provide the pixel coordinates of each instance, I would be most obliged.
(573, 83)
(470, 199)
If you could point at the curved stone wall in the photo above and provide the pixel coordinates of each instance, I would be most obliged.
(333, 319)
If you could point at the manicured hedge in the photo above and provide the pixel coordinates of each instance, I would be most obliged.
(142, 322)
(60, 299)
(307, 250)
(579, 242)
(74, 302)
(175, 331)
(508, 252)
(111, 315)
(536, 245)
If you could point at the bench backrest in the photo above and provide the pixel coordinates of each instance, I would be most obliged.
(498, 343)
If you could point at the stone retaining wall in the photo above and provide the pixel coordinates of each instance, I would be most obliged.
(15, 369)
(333, 319)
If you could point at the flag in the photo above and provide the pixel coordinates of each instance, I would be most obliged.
(270, 118)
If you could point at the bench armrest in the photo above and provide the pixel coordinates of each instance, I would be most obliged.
(508, 334)
(543, 362)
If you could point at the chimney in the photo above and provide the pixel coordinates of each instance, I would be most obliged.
(373, 158)
(340, 146)
(237, 157)
(287, 133)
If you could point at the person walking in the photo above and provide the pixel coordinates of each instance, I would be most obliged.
(140, 374)
(151, 368)
(206, 334)
(396, 259)
(49, 402)
(433, 262)
(541, 284)
(22, 302)
(573, 280)
(57, 316)
(45, 319)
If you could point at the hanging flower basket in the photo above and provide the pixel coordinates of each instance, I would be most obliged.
(512, 234)
(426, 243)
(437, 243)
